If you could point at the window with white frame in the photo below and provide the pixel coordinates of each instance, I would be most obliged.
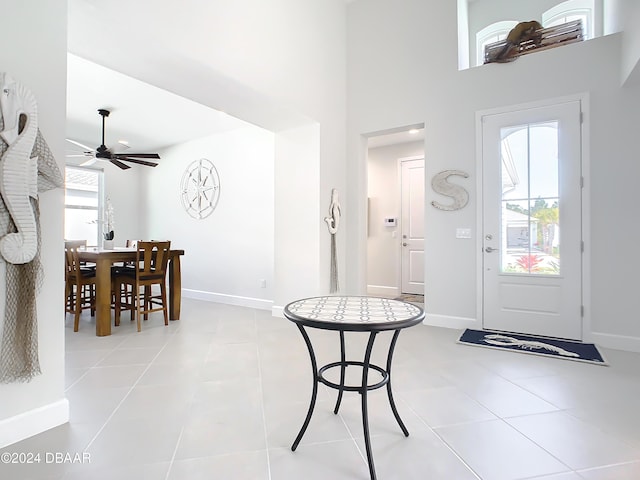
(568, 12)
(83, 204)
(490, 34)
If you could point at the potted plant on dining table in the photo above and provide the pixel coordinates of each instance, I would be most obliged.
(109, 225)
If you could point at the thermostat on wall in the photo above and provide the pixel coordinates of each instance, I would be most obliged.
(390, 222)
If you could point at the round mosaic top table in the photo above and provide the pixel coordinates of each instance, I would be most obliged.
(353, 314)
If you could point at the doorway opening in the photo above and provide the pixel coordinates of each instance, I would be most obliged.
(395, 212)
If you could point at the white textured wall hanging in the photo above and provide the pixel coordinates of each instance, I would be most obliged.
(200, 188)
(27, 167)
(333, 221)
(459, 195)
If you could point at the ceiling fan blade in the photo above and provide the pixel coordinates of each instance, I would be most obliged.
(88, 162)
(139, 155)
(118, 163)
(118, 159)
(141, 162)
(77, 156)
(78, 144)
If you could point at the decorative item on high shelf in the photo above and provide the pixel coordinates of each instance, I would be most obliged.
(537, 40)
(200, 188)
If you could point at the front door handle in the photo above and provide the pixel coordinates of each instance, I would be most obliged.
(490, 249)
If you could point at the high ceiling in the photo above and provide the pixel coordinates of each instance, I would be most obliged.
(147, 117)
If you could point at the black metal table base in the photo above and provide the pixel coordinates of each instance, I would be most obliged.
(362, 389)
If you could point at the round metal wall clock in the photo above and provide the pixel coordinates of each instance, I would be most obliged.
(200, 188)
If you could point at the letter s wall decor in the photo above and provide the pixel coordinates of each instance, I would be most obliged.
(459, 195)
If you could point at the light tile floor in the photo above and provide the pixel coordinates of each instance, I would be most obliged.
(222, 393)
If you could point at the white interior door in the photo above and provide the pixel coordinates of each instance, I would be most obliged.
(412, 181)
(532, 241)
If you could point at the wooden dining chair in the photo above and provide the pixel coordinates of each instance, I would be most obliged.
(80, 244)
(79, 283)
(124, 290)
(151, 270)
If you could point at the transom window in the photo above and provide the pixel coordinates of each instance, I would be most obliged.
(568, 12)
(564, 12)
(490, 34)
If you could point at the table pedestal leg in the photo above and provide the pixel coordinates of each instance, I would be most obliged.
(314, 367)
(103, 296)
(175, 288)
(392, 347)
(365, 412)
(362, 389)
(342, 373)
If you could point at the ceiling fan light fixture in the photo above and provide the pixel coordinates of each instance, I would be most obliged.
(105, 153)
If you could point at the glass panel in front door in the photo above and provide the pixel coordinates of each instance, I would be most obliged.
(530, 216)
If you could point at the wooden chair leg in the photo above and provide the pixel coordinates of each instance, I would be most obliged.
(165, 310)
(132, 305)
(78, 309)
(147, 302)
(92, 296)
(117, 302)
(138, 310)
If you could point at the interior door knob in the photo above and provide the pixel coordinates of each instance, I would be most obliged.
(490, 249)
(404, 244)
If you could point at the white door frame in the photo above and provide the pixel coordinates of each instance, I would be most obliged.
(586, 205)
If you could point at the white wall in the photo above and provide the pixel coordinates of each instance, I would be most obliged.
(123, 187)
(35, 42)
(278, 64)
(231, 250)
(447, 101)
(631, 43)
(383, 250)
(297, 230)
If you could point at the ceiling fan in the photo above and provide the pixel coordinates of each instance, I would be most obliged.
(104, 153)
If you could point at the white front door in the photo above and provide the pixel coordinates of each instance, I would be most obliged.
(532, 211)
(412, 226)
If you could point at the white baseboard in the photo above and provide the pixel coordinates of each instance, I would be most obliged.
(448, 321)
(616, 342)
(277, 311)
(258, 303)
(38, 420)
(383, 291)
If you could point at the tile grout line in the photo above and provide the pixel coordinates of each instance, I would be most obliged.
(264, 416)
(175, 452)
(353, 439)
(127, 395)
(444, 442)
(92, 366)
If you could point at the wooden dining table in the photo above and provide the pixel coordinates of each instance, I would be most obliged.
(104, 259)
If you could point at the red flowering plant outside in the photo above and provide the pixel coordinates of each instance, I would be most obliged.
(529, 263)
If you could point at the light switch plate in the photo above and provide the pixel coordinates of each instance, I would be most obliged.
(463, 233)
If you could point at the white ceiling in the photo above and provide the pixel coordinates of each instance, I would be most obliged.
(396, 137)
(147, 117)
